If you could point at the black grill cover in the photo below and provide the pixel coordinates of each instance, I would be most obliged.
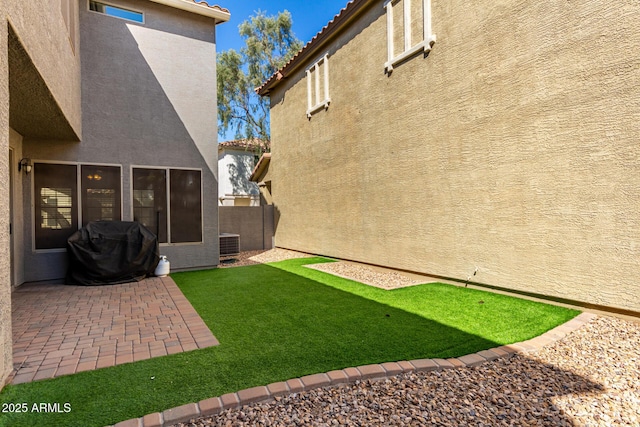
(111, 252)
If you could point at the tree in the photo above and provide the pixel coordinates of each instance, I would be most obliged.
(269, 44)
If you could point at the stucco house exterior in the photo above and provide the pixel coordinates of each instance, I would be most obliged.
(262, 177)
(453, 138)
(110, 116)
(236, 160)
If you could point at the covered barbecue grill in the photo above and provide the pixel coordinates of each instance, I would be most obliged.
(111, 252)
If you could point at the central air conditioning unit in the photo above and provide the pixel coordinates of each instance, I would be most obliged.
(229, 244)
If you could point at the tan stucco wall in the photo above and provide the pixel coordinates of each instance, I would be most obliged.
(18, 221)
(254, 224)
(5, 283)
(57, 68)
(266, 189)
(138, 109)
(55, 88)
(513, 147)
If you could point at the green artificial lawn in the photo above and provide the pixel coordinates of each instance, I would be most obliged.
(280, 321)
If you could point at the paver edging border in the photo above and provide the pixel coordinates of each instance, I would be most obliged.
(262, 394)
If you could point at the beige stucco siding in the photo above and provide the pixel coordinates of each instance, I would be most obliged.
(148, 100)
(54, 84)
(5, 268)
(42, 97)
(513, 147)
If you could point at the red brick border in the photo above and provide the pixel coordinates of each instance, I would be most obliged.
(268, 393)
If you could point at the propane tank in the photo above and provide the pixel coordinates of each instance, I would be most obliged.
(163, 267)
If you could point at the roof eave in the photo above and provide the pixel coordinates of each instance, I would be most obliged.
(346, 15)
(202, 8)
(262, 164)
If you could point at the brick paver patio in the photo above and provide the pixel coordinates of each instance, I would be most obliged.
(60, 330)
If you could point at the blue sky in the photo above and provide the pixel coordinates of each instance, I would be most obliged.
(308, 17)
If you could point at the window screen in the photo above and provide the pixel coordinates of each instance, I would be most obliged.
(150, 200)
(56, 204)
(186, 206)
(101, 193)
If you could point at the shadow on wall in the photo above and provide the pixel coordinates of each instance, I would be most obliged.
(33, 110)
(132, 114)
(239, 172)
(254, 224)
(276, 220)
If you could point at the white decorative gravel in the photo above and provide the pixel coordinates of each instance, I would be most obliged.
(278, 254)
(368, 275)
(259, 257)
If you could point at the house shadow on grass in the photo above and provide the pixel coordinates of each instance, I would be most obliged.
(274, 325)
(306, 327)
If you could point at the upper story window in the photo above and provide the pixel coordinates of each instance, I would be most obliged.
(318, 86)
(116, 11)
(408, 30)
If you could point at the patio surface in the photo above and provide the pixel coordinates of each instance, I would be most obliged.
(60, 330)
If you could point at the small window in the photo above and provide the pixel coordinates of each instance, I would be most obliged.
(408, 30)
(116, 11)
(318, 86)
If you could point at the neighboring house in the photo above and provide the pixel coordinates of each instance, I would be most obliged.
(508, 148)
(243, 212)
(236, 160)
(110, 115)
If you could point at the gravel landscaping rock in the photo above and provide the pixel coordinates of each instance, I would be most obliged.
(367, 275)
(278, 254)
(591, 377)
